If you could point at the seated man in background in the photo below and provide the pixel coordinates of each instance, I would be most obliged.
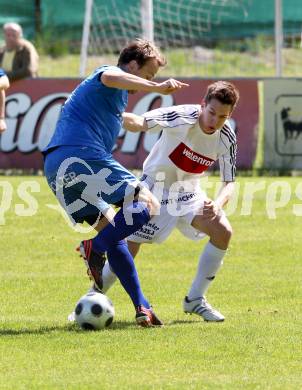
(18, 57)
(4, 84)
(193, 138)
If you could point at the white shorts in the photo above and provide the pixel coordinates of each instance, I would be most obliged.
(176, 211)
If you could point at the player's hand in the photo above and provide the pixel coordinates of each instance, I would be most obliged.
(170, 86)
(2, 125)
(210, 209)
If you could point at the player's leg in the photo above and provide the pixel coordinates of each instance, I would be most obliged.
(138, 204)
(108, 276)
(219, 230)
(145, 316)
(103, 280)
(132, 216)
(134, 247)
(156, 231)
(110, 239)
(136, 211)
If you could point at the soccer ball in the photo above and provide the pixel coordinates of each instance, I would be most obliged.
(94, 311)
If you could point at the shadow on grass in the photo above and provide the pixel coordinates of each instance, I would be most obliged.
(71, 328)
(41, 330)
(74, 328)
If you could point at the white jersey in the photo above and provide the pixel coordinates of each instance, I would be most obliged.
(184, 152)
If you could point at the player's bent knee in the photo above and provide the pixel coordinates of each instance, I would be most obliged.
(228, 232)
(220, 233)
(225, 234)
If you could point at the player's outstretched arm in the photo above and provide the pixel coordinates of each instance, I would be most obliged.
(212, 208)
(134, 123)
(124, 80)
(225, 193)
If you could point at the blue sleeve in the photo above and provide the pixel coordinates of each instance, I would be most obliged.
(99, 71)
(2, 73)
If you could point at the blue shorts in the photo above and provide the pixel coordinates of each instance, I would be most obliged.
(85, 187)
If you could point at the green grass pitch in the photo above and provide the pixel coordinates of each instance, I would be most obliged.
(258, 290)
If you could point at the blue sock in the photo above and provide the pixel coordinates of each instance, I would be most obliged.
(121, 229)
(121, 262)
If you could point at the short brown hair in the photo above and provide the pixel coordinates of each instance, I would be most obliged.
(224, 92)
(141, 51)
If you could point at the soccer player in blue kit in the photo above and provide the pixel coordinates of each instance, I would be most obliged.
(81, 149)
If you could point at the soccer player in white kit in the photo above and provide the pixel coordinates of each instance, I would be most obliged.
(193, 138)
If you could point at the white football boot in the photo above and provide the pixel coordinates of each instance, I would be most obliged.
(202, 308)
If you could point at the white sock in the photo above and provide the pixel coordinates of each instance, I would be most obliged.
(108, 276)
(210, 261)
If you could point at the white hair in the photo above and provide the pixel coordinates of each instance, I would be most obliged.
(13, 26)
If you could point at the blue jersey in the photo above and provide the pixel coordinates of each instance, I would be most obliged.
(2, 73)
(92, 115)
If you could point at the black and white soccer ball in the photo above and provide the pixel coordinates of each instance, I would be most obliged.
(94, 311)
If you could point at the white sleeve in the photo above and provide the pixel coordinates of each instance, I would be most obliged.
(171, 117)
(227, 160)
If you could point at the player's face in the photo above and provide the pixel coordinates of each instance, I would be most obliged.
(149, 70)
(213, 116)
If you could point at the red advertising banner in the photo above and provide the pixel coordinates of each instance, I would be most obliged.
(33, 108)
